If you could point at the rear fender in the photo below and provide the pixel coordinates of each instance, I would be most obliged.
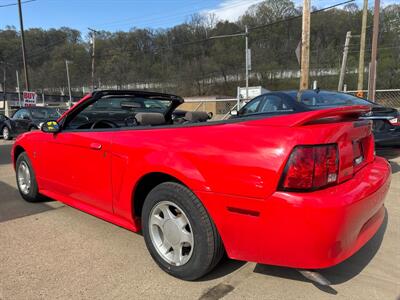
(127, 172)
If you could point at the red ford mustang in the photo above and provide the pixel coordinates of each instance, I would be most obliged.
(302, 190)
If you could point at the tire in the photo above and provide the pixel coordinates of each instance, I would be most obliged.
(207, 247)
(6, 133)
(30, 192)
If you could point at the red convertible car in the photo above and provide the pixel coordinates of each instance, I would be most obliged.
(302, 190)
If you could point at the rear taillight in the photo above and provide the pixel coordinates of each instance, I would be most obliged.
(311, 167)
(394, 121)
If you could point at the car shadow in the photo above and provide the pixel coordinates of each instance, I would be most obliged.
(388, 152)
(225, 267)
(12, 206)
(338, 274)
(5, 153)
(395, 168)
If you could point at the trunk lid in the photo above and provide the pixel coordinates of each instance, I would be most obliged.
(341, 126)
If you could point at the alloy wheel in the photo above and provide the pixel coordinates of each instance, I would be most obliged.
(24, 178)
(171, 233)
(6, 133)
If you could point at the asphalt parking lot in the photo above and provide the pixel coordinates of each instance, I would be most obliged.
(52, 251)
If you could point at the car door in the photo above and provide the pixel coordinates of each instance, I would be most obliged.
(274, 104)
(270, 103)
(252, 107)
(77, 165)
(2, 120)
(25, 121)
(17, 121)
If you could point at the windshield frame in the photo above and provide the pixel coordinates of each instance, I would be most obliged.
(97, 95)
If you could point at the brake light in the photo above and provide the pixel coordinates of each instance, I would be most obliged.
(311, 167)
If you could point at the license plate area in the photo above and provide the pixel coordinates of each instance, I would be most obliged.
(358, 153)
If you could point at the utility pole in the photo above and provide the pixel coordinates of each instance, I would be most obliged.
(246, 32)
(361, 67)
(372, 79)
(21, 23)
(305, 46)
(93, 33)
(344, 61)
(69, 84)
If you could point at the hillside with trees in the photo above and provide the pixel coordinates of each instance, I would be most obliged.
(183, 59)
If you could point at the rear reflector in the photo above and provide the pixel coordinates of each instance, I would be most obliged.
(311, 167)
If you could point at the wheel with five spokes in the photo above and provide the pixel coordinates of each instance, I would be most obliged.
(179, 233)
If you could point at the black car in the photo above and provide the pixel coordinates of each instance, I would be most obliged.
(27, 119)
(386, 120)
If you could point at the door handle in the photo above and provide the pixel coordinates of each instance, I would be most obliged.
(95, 146)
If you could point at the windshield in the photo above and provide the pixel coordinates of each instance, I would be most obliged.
(45, 113)
(327, 98)
(126, 104)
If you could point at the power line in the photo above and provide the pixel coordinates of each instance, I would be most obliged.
(234, 34)
(300, 16)
(14, 4)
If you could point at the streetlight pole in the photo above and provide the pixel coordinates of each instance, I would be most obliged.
(344, 61)
(4, 87)
(18, 87)
(247, 52)
(69, 84)
(246, 34)
(21, 23)
(93, 33)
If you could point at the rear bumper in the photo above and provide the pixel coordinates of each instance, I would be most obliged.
(303, 230)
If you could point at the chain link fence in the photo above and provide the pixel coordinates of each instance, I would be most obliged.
(389, 98)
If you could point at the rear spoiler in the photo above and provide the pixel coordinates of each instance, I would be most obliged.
(337, 114)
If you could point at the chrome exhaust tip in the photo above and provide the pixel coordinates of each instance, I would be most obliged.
(315, 277)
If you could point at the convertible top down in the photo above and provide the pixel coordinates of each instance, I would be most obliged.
(303, 190)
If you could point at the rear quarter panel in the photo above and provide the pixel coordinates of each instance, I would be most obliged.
(244, 159)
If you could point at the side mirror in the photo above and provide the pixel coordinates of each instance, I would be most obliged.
(26, 117)
(50, 127)
(210, 115)
(234, 112)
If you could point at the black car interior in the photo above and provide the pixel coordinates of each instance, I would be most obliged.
(124, 111)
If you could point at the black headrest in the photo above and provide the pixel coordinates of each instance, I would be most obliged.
(150, 118)
(196, 116)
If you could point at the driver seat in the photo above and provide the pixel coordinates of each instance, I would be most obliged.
(150, 119)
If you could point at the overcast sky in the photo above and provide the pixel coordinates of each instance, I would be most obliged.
(124, 14)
